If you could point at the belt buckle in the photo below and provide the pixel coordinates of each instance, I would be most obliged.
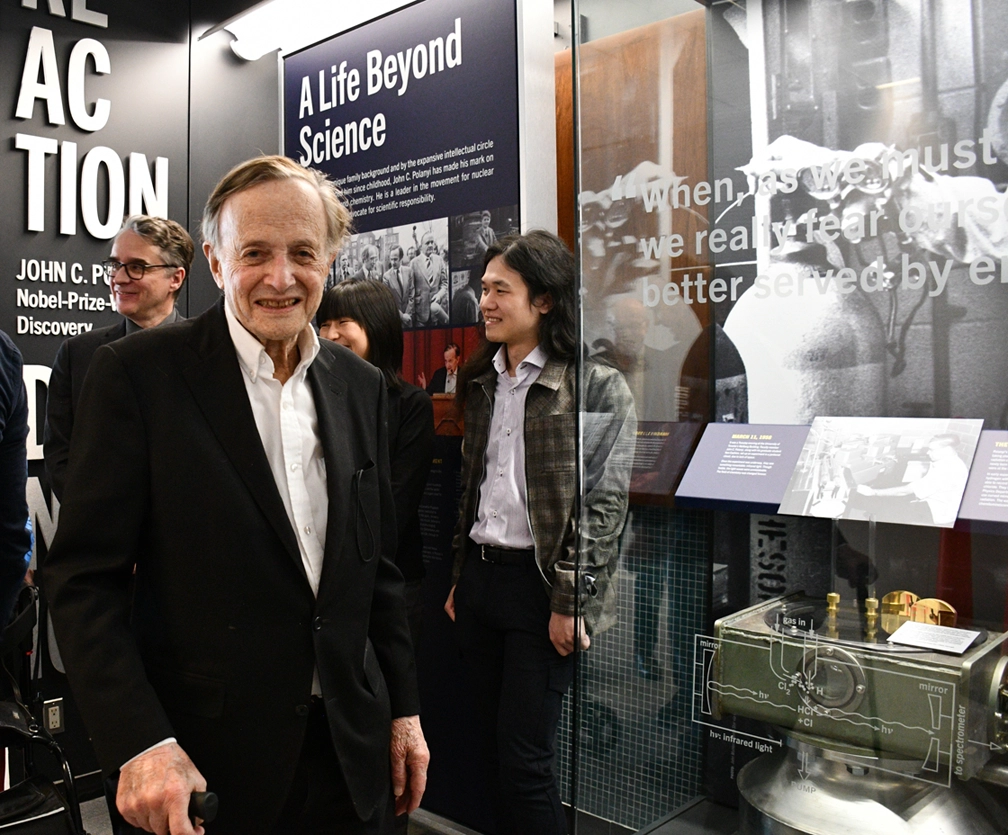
(483, 555)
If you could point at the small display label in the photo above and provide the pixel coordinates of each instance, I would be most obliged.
(936, 638)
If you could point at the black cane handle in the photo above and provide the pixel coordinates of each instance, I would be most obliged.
(203, 805)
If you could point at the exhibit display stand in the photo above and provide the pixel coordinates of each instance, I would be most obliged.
(890, 706)
(817, 263)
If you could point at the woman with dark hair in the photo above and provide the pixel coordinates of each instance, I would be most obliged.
(363, 317)
(518, 602)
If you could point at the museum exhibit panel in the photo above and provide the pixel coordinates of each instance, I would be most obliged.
(791, 232)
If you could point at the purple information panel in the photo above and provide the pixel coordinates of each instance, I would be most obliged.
(743, 467)
(986, 496)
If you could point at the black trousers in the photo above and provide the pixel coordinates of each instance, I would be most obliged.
(318, 802)
(502, 617)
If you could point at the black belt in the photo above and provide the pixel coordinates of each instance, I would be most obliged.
(504, 556)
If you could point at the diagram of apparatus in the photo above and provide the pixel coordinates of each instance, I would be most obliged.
(877, 736)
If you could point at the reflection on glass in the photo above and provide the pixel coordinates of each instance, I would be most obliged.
(646, 311)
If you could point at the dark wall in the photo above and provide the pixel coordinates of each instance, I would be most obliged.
(234, 114)
(145, 94)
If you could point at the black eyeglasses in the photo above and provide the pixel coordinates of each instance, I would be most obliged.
(134, 271)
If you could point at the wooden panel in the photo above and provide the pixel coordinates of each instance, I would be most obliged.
(619, 98)
(625, 81)
(644, 149)
(565, 148)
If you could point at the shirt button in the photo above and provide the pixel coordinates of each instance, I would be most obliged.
(495, 514)
(317, 624)
(307, 529)
(509, 431)
(262, 360)
(294, 467)
(301, 710)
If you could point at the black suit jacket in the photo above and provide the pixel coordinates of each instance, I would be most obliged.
(437, 381)
(65, 384)
(411, 452)
(167, 472)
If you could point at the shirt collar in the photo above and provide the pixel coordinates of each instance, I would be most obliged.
(252, 356)
(536, 359)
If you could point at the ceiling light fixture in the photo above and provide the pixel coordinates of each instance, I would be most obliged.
(289, 25)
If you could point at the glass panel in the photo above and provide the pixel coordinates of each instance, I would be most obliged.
(793, 209)
(641, 83)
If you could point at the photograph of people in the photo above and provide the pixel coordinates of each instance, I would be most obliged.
(340, 270)
(907, 471)
(369, 264)
(485, 236)
(473, 233)
(399, 280)
(513, 598)
(429, 275)
(443, 381)
(465, 295)
(941, 484)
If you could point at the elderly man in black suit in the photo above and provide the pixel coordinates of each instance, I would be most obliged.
(242, 467)
(150, 260)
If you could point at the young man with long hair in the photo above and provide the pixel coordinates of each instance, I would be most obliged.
(522, 595)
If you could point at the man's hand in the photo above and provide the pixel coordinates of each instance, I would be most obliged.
(561, 632)
(449, 605)
(154, 791)
(409, 754)
(421, 380)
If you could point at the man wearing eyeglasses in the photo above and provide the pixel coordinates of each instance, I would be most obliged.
(149, 262)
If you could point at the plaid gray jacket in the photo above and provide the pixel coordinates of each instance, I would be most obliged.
(609, 428)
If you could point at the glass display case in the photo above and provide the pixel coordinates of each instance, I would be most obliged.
(789, 210)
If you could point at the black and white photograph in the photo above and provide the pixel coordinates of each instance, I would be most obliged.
(466, 288)
(874, 208)
(472, 233)
(908, 471)
(412, 260)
